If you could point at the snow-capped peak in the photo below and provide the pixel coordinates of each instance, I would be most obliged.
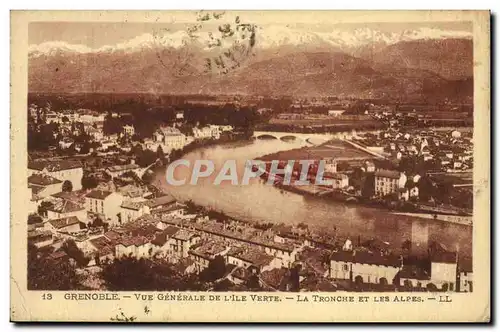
(269, 36)
(54, 47)
(273, 36)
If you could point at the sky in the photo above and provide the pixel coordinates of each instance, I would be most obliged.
(97, 34)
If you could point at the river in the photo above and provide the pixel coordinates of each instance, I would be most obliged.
(259, 202)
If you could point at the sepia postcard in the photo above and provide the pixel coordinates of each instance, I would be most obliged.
(250, 166)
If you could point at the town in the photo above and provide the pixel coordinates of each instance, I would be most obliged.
(98, 221)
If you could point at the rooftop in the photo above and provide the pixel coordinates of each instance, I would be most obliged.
(98, 194)
(132, 205)
(255, 257)
(366, 257)
(161, 238)
(209, 250)
(163, 200)
(119, 168)
(42, 180)
(184, 235)
(387, 174)
(65, 206)
(413, 272)
(64, 222)
(54, 166)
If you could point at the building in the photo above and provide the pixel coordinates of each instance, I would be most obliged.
(97, 135)
(43, 185)
(52, 117)
(136, 246)
(335, 112)
(170, 138)
(133, 193)
(90, 117)
(118, 170)
(364, 267)
(105, 205)
(102, 250)
(388, 182)
(339, 180)
(40, 238)
(131, 210)
(163, 243)
(455, 134)
(204, 254)
(210, 131)
(369, 166)
(63, 208)
(182, 242)
(254, 260)
(128, 130)
(330, 165)
(64, 170)
(66, 143)
(444, 270)
(412, 277)
(158, 203)
(465, 276)
(67, 225)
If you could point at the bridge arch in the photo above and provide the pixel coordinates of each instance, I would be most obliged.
(266, 136)
(290, 138)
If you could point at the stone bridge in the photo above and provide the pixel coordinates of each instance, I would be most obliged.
(314, 139)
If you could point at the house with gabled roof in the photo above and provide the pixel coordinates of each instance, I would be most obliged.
(203, 254)
(363, 266)
(43, 185)
(63, 170)
(62, 208)
(163, 241)
(255, 260)
(105, 205)
(131, 210)
(67, 224)
(388, 182)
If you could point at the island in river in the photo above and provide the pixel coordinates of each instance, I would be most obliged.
(262, 203)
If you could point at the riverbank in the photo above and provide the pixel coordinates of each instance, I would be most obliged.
(205, 143)
(407, 209)
(259, 203)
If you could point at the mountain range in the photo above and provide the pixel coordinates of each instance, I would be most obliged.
(426, 63)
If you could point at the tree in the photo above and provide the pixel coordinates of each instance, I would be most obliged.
(85, 147)
(129, 274)
(70, 247)
(34, 218)
(146, 158)
(425, 188)
(216, 268)
(43, 207)
(431, 287)
(253, 282)
(46, 274)
(89, 182)
(67, 186)
(295, 278)
(406, 246)
(112, 125)
(160, 154)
